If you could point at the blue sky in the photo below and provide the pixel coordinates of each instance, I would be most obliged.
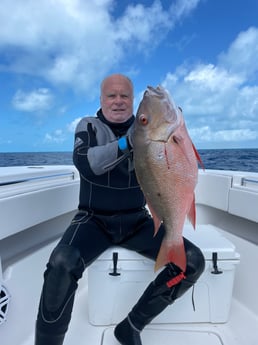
(54, 54)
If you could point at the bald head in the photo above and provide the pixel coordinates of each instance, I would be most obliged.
(117, 98)
(116, 78)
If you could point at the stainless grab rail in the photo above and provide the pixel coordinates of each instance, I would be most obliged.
(248, 180)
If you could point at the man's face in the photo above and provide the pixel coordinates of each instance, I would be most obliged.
(117, 98)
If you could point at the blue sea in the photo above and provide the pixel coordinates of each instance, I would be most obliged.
(224, 159)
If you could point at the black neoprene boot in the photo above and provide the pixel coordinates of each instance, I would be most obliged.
(169, 285)
(46, 339)
(158, 295)
(127, 334)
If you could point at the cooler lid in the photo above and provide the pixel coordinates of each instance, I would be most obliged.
(210, 240)
(207, 237)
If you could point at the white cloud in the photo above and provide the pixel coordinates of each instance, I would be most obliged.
(180, 9)
(60, 136)
(77, 42)
(71, 126)
(222, 94)
(141, 24)
(212, 78)
(33, 101)
(241, 57)
(232, 135)
(57, 137)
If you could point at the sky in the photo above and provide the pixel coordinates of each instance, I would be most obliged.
(54, 54)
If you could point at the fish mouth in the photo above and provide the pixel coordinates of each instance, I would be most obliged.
(157, 91)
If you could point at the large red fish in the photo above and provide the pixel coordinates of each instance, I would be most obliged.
(167, 169)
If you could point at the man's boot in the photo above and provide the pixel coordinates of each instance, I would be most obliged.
(46, 339)
(158, 295)
(169, 285)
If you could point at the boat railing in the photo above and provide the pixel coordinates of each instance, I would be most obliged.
(35, 180)
(250, 182)
(245, 182)
(230, 191)
(34, 196)
(69, 175)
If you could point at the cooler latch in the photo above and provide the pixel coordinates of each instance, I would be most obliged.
(215, 264)
(114, 273)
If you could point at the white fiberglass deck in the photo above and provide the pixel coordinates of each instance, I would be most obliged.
(240, 329)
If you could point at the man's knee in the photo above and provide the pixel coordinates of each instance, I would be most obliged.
(65, 267)
(66, 257)
(195, 261)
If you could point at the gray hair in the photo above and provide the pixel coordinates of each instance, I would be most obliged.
(116, 74)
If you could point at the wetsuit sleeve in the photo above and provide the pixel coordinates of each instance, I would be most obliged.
(95, 151)
(103, 158)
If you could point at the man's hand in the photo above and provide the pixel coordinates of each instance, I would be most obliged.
(125, 142)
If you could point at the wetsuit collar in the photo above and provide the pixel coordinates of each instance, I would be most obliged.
(119, 129)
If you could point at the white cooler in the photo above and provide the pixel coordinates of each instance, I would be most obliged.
(113, 290)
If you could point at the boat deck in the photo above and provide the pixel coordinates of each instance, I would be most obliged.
(240, 329)
(234, 332)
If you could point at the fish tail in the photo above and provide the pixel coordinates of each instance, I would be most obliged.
(171, 254)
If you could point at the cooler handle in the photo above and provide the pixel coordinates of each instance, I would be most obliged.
(114, 273)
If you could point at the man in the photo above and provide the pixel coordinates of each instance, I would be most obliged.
(111, 212)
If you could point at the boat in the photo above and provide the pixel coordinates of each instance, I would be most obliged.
(38, 202)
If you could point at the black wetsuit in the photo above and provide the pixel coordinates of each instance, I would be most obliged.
(111, 212)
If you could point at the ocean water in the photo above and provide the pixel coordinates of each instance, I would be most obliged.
(224, 159)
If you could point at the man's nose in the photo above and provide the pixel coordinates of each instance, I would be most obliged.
(119, 100)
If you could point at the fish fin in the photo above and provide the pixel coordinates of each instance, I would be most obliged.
(171, 254)
(179, 140)
(157, 223)
(155, 218)
(198, 157)
(192, 213)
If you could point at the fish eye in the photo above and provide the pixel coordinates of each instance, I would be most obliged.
(143, 119)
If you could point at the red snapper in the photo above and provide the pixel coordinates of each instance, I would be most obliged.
(167, 170)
